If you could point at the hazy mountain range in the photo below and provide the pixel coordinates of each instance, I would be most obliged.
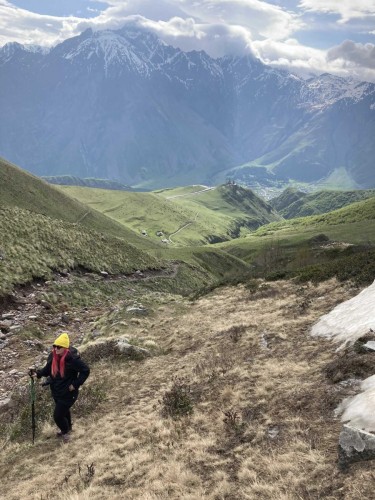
(123, 105)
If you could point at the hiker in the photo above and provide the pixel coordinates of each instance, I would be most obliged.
(66, 372)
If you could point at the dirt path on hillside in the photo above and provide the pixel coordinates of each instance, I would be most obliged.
(183, 227)
(194, 193)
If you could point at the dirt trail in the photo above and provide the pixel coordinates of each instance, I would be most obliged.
(183, 227)
(194, 193)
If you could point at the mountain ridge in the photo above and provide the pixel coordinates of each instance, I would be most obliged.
(125, 106)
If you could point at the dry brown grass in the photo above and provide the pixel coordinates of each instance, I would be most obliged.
(269, 379)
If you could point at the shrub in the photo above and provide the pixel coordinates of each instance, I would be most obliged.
(356, 265)
(232, 421)
(277, 275)
(178, 401)
(319, 239)
(235, 332)
(252, 285)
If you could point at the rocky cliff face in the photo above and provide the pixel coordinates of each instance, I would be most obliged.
(124, 105)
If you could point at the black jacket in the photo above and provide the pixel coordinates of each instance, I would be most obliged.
(76, 372)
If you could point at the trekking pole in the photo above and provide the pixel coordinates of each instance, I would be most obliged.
(32, 400)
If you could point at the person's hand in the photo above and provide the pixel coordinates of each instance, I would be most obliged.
(72, 388)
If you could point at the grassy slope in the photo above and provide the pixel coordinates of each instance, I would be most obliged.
(336, 244)
(229, 202)
(33, 244)
(138, 211)
(262, 425)
(292, 203)
(43, 229)
(216, 214)
(289, 196)
(21, 189)
(352, 224)
(358, 212)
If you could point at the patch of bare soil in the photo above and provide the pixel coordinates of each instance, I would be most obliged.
(262, 424)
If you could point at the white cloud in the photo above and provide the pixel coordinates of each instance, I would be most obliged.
(346, 9)
(27, 27)
(258, 17)
(261, 18)
(354, 54)
(291, 55)
(348, 59)
(215, 39)
(215, 26)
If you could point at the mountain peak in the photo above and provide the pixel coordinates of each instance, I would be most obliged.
(11, 49)
(324, 90)
(111, 48)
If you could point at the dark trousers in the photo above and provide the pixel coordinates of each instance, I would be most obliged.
(62, 416)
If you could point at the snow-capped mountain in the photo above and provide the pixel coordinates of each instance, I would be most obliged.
(126, 106)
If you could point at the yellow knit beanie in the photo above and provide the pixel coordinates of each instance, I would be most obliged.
(62, 341)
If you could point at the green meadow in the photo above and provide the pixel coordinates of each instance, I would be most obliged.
(293, 203)
(339, 243)
(207, 235)
(185, 216)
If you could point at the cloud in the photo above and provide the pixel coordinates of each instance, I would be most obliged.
(215, 39)
(27, 27)
(254, 16)
(218, 27)
(348, 59)
(346, 9)
(290, 55)
(261, 18)
(353, 54)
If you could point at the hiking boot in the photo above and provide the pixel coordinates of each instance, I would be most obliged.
(59, 434)
(65, 437)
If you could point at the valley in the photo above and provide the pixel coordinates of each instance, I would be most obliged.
(216, 214)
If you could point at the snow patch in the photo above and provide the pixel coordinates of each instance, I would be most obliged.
(350, 320)
(113, 49)
(359, 410)
(325, 90)
(346, 323)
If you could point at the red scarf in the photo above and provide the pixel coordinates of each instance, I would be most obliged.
(58, 363)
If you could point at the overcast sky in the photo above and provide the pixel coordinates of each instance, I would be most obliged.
(304, 36)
